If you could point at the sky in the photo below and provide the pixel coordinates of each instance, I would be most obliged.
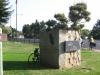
(30, 10)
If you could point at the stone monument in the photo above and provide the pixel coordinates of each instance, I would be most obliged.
(60, 48)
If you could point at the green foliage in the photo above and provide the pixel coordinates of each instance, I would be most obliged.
(42, 26)
(4, 11)
(50, 24)
(26, 31)
(36, 57)
(78, 13)
(62, 21)
(61, 17)
(13, 32)
(85, 33)
(6, 30)
(33, 30)
(96, 30)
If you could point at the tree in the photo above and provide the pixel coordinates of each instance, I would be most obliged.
(4, 11)
(6, 29)
(35, 29)
(50, 24)
(26, 31)
(12, 33)
(62, 21)
(96, 30)
(42, 25)
(77, 14)
(85, 33)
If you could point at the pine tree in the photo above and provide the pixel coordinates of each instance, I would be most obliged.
(78, 13)
(4, 11)
(96, 30)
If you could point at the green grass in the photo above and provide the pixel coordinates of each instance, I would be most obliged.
(15, 57)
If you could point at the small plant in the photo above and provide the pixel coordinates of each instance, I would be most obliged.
(35, 56)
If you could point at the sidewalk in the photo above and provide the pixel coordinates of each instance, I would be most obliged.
(96, 50)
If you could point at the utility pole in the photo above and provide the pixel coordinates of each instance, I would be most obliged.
(16, 18)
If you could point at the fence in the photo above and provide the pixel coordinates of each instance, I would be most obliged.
(24, 40)
(85, 42)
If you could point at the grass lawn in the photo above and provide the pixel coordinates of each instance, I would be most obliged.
(15, 57)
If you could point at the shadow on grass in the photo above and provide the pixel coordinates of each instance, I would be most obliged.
(23, 65)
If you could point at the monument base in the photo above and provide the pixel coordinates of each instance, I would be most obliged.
(52, 51)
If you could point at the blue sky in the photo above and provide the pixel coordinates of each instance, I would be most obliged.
(30, 10)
